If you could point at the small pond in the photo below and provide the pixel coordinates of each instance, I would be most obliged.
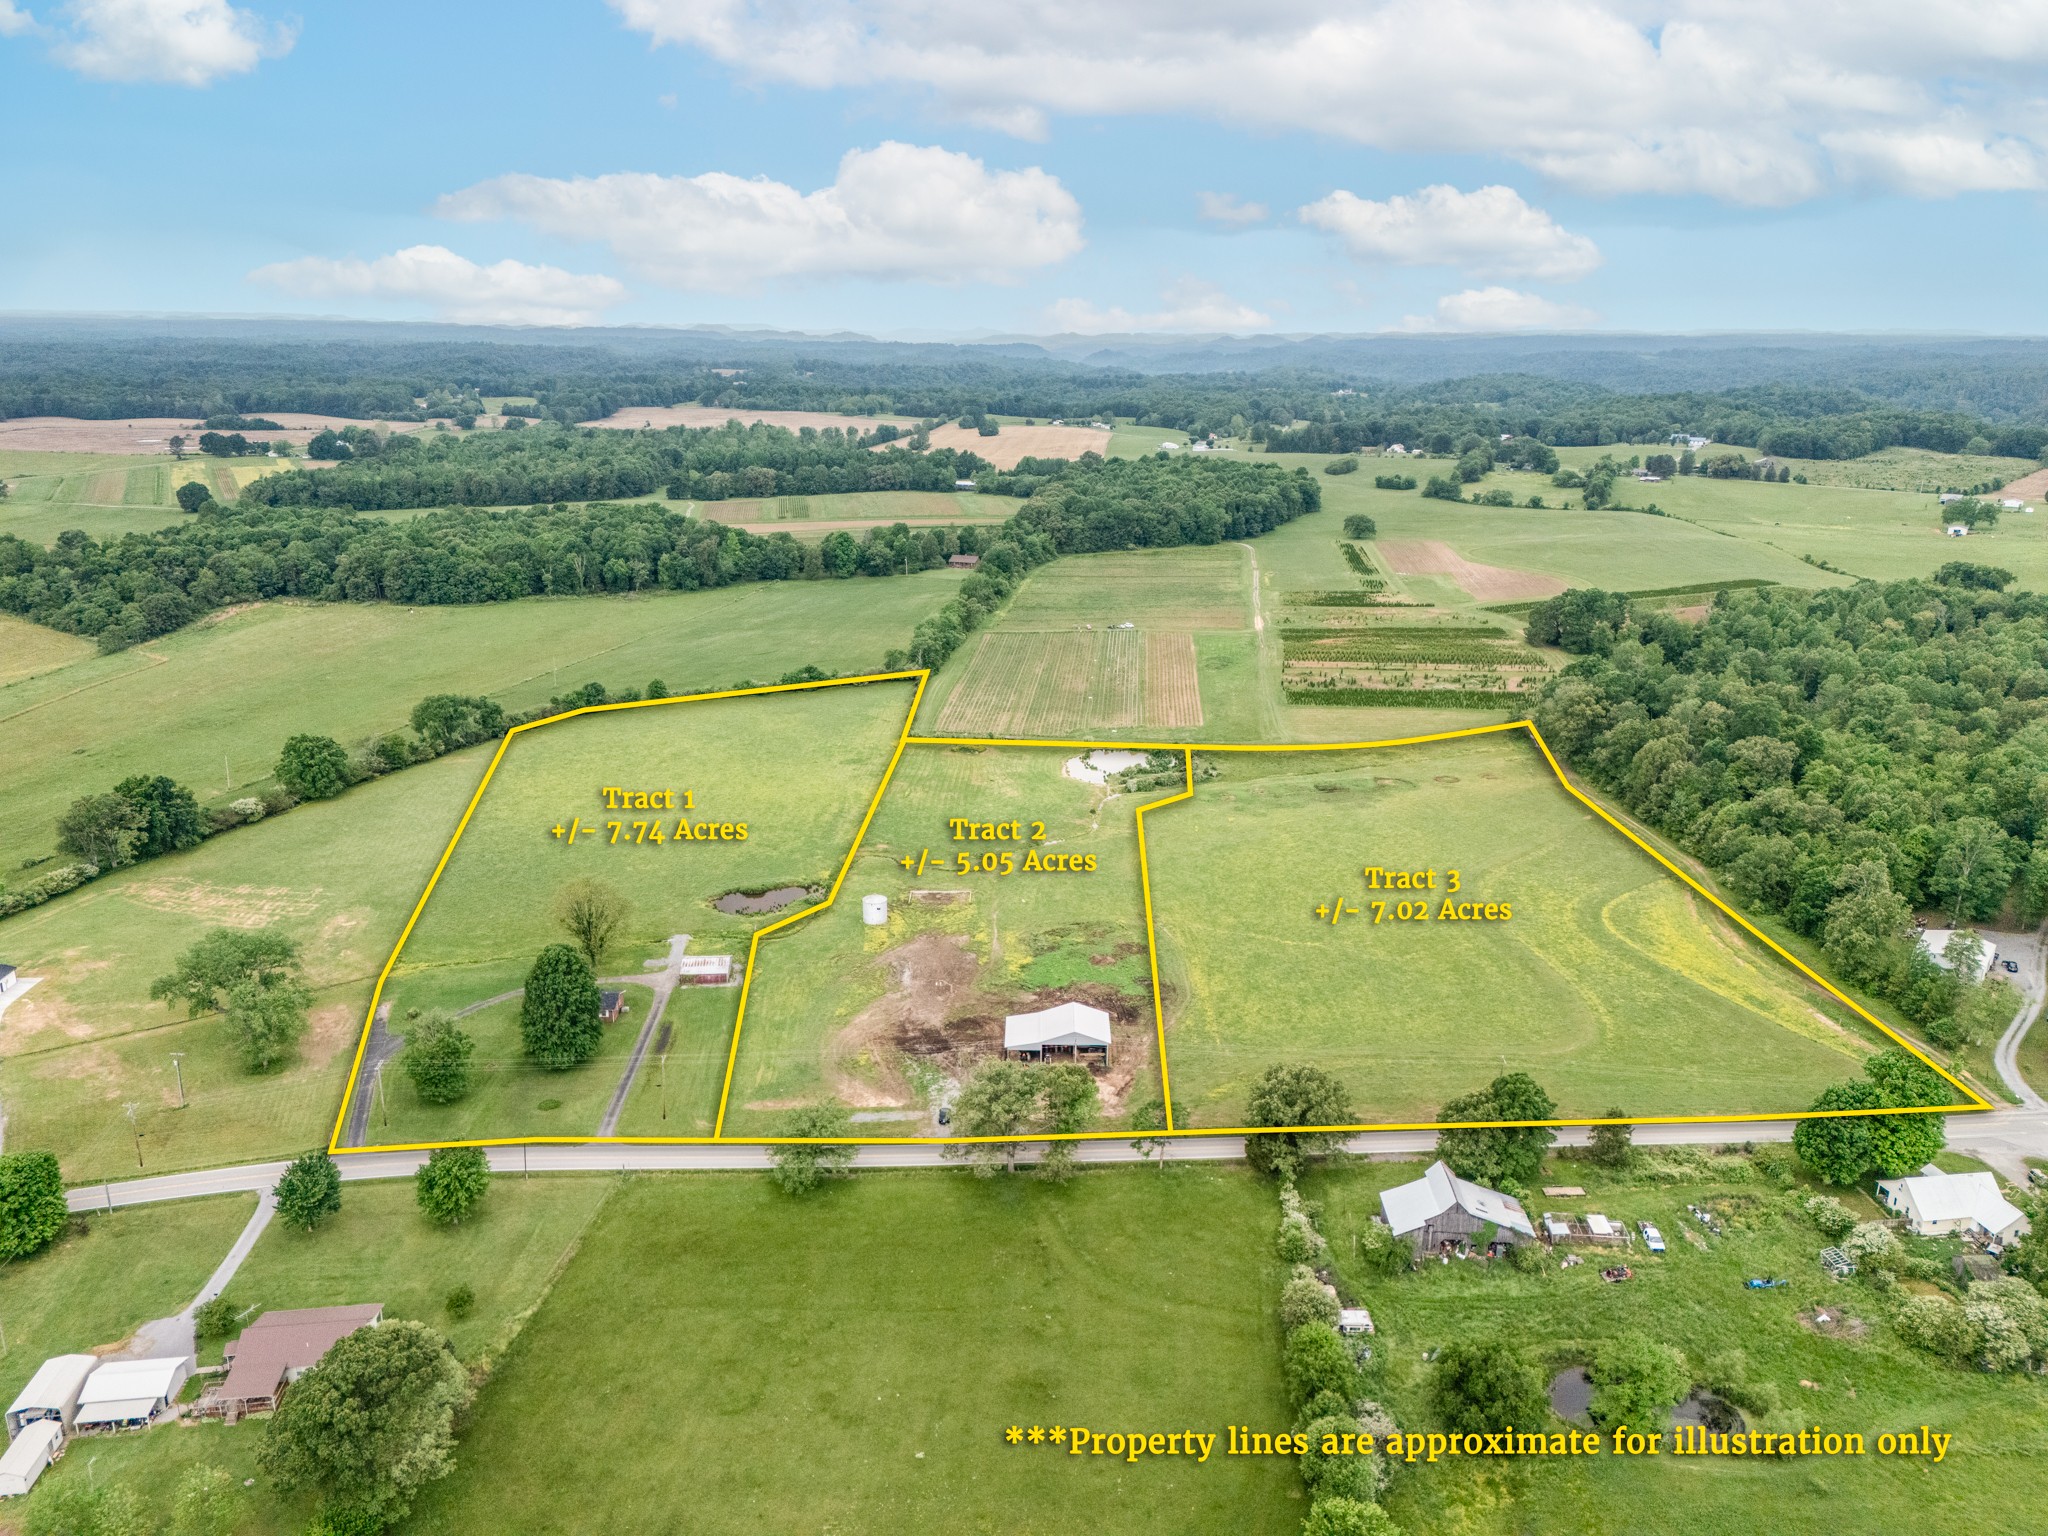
(1571, 1396)
(761, 901)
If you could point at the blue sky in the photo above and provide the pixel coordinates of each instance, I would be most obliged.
(900, 168)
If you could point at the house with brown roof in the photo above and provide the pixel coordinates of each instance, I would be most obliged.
(280, 1347)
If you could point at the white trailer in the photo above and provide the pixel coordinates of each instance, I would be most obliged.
(40, 1442)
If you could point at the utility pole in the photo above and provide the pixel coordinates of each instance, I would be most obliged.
(178, 1066)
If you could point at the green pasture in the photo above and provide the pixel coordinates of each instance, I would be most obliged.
(799, 770)
(1610, 982)
(338, 876)
(1910, 469)
(381, 1249)
(212, 704)
(878, 507)
(804, 1037)
(115, 1272)
(29, 650)
(104, 494)
(850, 1363)
(1853, 1376)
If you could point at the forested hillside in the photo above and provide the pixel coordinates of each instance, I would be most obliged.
(1841, 757)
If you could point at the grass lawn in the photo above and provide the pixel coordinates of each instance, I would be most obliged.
(29, 650)
(218, 699)
(93, 1288)
(798, 769)
(339, 876)
(1610, 982)
(849, 1363)
(380, 1248)
(1854, 1376)
(870, 1014)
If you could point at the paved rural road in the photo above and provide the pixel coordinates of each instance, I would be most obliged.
(2032, 954)
(664, 982)
(2002, 1138)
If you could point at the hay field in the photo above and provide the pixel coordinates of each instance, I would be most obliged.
(219, 697)
(1194, 588)
(798, 769)
(881, 1017)
(1013, 443)
(1072, 682)
(633, 418)
(152, 434)
(1611, 983)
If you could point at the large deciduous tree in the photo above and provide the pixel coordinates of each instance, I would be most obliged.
(308, 1191)
(558, 1018)
(451, 1183)
(1499, 1155)
(802, 1167)
(168, 814)
(592, 913)
(998, 1101)
(32, 1208)
(1295, 1094)
(211, 968)
(371, 1424)
(101, 829)
(266, 1022)
(313, 767)
(436, 1058)
(1481, 1385)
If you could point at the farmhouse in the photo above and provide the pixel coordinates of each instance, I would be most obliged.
(1440, 1209)
(1935, 941)
(705, 970)
(1951, 1204)
(1066, 1030)
(31, 1452)
(610, 1005)
(52, 1393)
(122, 1394)
(280, 1347)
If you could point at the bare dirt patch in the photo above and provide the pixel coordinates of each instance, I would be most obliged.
(1486, 583)
(1014, 443)
(1833, 1322)
(936, 1013)
(152, 434)
(2027, 488)
(235, 906)
(635, 417)
(333, 1028)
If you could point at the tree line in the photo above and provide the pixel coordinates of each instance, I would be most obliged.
(145, 584)
(1840, 758)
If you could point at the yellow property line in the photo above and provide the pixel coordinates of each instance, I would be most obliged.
(377, 992)
(732, 1054)
(1974, 1102)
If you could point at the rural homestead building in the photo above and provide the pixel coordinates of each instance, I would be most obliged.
(1070, 1029)
(1935, 941)
(705, 970)
(1440, 1208)
(280, 1347)
(1954, 1204)
(963, 562)
(123, 1394)
(610, 1005)
(41, 1443)
(52, 1393)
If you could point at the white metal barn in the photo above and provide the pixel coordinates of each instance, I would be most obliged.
(1066, 1030)
(52, 1393)
(129, 1392)
(40, 1442)
(1943, 1205)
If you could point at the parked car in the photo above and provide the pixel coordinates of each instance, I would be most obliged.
(1652, 1238)
(2011, 965)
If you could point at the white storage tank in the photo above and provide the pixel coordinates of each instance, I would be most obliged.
(874, 910)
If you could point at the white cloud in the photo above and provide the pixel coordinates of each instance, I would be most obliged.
(454, 287)
(13, 21)
(1224, 208)
(1190, 305)
(897, 212)
(1500, 309)
(175, 42)
(1490, 232)
(1743, 100)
